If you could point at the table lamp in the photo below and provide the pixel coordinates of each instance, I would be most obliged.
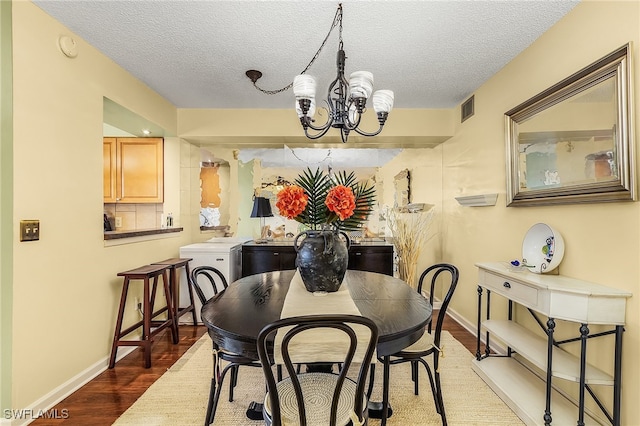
(261, 209)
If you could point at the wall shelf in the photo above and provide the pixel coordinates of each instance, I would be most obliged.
(482, 200)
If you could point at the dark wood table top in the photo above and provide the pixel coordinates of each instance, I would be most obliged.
(236, 316)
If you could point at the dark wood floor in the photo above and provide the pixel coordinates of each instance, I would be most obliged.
(105, 398)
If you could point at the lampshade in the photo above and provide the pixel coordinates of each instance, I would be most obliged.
(261, 207)
(304, 86)
(361, 84)
(383, 101)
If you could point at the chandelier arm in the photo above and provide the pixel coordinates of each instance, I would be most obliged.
(326, 125)
(306, 121)
(317, 135)
(382, 118)
(363, 133)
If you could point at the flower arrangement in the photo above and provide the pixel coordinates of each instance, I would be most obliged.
(318, 200)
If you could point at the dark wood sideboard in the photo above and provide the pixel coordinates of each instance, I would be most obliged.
(278, 256)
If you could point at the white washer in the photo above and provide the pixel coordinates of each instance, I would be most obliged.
(224, 254)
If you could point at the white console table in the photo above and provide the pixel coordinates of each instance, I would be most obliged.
(531, 396)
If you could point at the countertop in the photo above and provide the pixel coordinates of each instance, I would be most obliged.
(113, 235)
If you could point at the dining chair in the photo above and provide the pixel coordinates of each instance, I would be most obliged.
(318, 398)
(214, 279)
(429, 343)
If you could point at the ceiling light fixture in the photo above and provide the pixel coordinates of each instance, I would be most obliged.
(345, 101)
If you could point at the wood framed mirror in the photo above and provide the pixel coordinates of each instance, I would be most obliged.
(573, 143)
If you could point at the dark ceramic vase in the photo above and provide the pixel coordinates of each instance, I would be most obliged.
(322, 259)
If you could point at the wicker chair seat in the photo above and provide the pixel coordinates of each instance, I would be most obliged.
(317, 389)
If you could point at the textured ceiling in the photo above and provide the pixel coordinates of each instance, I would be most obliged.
(432, 54)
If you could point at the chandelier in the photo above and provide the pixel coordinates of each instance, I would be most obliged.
(346, 100)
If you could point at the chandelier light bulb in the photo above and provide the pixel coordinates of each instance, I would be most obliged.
(383, 101)
(361, 84)
(304, 87)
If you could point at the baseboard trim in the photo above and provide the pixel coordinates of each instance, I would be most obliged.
(472, 328)
(52, 398)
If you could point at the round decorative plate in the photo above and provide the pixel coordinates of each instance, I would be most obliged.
(542, 248)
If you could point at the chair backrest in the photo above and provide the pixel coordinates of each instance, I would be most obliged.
(434, 272)
(213, 279)
(343, 323)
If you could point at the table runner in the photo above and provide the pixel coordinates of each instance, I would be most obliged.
(319, 345)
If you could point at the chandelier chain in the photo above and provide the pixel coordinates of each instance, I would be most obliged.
(337, 22)
(306, 162)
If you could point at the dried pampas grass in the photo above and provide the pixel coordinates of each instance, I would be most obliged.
(410, 232)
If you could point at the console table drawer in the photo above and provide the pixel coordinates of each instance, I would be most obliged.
(510, 289)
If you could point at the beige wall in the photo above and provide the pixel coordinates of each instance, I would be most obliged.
(65, 287)
(6, 202)
(602, 240)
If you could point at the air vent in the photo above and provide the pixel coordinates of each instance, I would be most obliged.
(466, 110)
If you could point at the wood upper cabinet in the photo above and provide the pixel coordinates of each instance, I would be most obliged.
(109, 176)
(134, 170)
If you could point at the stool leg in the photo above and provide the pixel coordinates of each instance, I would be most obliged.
(192, 303)
(170, 310)
(175, 292)
(116, 334)
(153, 295)
(146, 325)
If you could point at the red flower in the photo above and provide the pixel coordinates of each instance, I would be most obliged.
(341, 201)
(291, 201)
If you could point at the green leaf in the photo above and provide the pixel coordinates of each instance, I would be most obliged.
(316, 184)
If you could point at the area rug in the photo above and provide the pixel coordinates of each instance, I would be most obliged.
(180, 396)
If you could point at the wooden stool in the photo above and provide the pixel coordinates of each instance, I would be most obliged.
(174, 279)
(145, 273)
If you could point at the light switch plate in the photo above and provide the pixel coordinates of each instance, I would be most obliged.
(29, 230)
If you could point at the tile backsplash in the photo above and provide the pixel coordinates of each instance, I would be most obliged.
(135, 216)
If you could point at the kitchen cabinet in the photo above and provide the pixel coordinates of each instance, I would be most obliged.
(109, 168)
(372, 258)
(524, 378)
(278, 256)
(133, 170)
(259, 258)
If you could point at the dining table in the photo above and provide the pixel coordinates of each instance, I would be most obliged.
(235, 316)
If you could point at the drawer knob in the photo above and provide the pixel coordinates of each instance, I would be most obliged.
(506, 285)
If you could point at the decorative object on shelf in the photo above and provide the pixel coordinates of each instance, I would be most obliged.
(328, 205)
(542, 248)
(410, 231)
(517, 266)
(261, 209)
(345, 101)
(482, 200)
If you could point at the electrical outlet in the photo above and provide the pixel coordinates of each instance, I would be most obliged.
(119, 224)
